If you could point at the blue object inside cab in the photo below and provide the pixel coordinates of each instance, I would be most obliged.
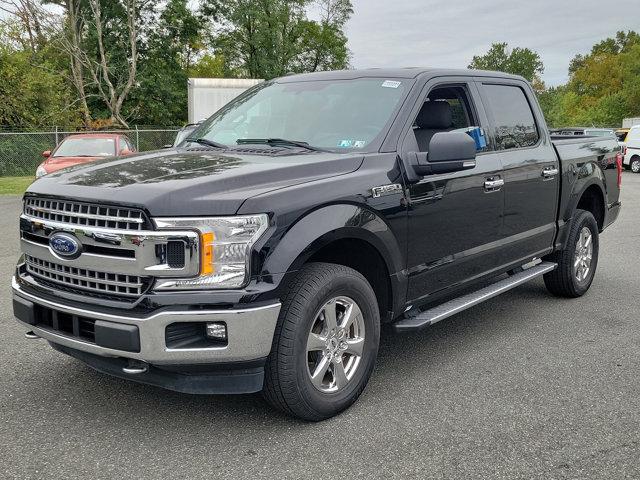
(478, 136)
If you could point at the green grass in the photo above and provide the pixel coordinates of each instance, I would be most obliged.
(14, 185)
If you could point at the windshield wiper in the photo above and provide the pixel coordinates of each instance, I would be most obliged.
(278, 141)
(204, 141)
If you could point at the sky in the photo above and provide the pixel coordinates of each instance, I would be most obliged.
(448, 33)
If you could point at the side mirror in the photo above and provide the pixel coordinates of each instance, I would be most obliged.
(448, 152)
(125, 152)
(46, 153)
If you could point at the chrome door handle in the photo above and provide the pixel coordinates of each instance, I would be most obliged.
(493, 184)
(549, 172)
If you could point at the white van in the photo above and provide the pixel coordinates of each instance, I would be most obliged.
(632, 154)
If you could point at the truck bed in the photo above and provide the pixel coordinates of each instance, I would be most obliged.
(578, 154)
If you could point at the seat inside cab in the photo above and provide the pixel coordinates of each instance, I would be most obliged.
(445, 109)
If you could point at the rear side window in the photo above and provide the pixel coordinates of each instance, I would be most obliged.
(515, 126)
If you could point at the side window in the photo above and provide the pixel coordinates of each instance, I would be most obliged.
(459, 113)
(515, 126)
(446, 108)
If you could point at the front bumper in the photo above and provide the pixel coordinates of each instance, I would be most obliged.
(238, 377)
(249, 332)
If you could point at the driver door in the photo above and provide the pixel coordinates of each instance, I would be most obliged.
(454, 218)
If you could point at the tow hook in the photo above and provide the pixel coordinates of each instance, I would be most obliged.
(31, 335)
(135, 367)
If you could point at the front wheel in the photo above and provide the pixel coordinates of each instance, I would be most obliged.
(634, 166)
(325, 343)
(578, 261)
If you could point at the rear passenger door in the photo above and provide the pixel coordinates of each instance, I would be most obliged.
(530, 168)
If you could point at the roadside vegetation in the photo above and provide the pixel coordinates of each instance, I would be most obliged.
(14, 185)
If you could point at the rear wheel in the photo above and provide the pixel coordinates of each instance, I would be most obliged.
(578, 261)
(635, 165)
(325, 344)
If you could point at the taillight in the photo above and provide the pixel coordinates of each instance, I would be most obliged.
(619, 167)
(624, 150)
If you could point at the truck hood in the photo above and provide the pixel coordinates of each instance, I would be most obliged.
(190, 183)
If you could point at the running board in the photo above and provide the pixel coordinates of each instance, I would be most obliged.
(445, 310)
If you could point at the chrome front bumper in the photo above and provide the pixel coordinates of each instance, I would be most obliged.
(250, 333)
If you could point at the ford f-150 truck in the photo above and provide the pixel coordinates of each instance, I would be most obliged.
(265, 251)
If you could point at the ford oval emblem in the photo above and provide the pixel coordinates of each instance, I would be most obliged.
(65, 245)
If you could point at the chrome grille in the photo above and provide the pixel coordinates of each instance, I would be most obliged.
(85, 280)
(85, 214)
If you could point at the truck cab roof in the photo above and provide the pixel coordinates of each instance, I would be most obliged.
(408, 72)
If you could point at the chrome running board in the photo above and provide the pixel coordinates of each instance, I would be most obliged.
(447, 309)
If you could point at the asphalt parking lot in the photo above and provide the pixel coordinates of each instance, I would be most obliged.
(522, 386)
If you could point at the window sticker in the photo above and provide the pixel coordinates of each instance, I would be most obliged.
(359, 144)
(345, 143)
(391, 84)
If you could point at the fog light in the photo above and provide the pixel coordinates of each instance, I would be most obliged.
(217, 331)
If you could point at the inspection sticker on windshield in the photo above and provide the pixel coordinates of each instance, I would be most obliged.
(391, 84)
(345, 143)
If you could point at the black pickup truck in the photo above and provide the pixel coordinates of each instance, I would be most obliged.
(265, 251)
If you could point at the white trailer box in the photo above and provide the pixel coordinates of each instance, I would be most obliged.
(208, 95)
(630, 122)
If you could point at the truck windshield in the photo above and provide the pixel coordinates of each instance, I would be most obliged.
(337, 115)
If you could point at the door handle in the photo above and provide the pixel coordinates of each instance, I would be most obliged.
(493, 184)
(548, 172)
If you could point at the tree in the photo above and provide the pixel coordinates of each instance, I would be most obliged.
(335, 12)
(324, 44)
(27, 12)
(517, 61)
(172, 51)
(113, 82)
(603, 87)
(69, 35)
(33, 93)
(209, 66)
(271, 38)
(605, 82)
(101, 39)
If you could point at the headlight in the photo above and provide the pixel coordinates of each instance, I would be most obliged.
(225, 249)
(40, 171)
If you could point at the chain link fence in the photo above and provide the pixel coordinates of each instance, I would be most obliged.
(21, 151)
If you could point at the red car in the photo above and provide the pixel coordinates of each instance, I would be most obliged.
(84, 148)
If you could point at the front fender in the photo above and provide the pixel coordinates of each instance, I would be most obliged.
(327, 224)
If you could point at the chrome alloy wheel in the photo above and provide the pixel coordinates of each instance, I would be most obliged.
(583, 254)
(635, 166)
(335, 344)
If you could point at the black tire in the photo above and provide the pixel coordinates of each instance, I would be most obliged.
(634, 164)
(288, 384)
(563, 282)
